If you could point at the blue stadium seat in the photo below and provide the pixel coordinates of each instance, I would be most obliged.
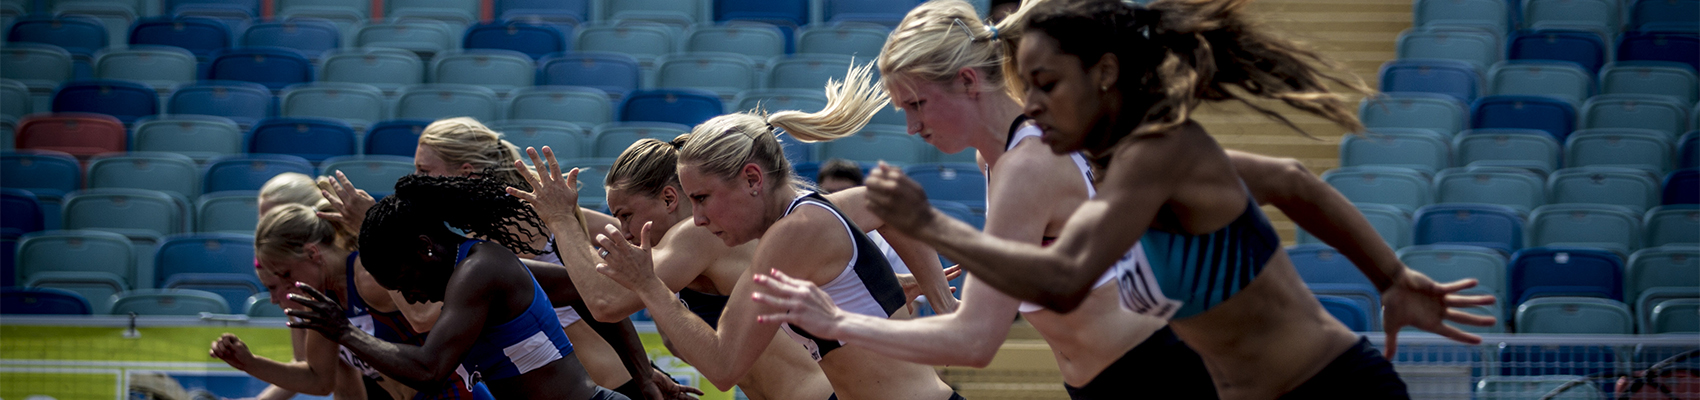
(1493, 13)
(643, 42)
(723, 74)
(45, 173)
(137, 213)
(1517, 188)
(1634, 111)
(395, 137)
(310, 36)
(385, 68)
(1346, 311)
(681, 106)
(578, 9)
(76, 34)
(1529, 148)
(794, 12)
(162, 67)
(187, 302)
(1662, 78)
(958, 182)
(1620, 147)
(42, 301)
(798, 152)
(376, 174)
(1585, 225)
(1682, 187)
(498, 70)
(1541, 361)
(126, 100)
(757, 41)
(850, 39)
(1541, 78)
(580, 105)
(311, 138)
(613, 73)
(93, 264)
(233, 211)
(1454, 78)
(275, 67)
(358, 105)
(250, 171)
(15, 98)
(115, 17)
(566, 139)
(1363, 295)
(201, 36)
(1448, 263)
(40, 67)
(260, 306)
(1672, 224)
(1565, 271)
(443, 100)
(611, 139)
(1479, 49)
(807, 71)
(243, 102)
(1574, 315)
(22, 213)
(1674, 316)
(1439, 113)
(885, 12)
(1417, 149)
(1403, 187)
(534, 40)
(221, 263)
(1633, 188)
(1583, 48)
(1556, 117)
(1318, 263)
(592, 175)
(1645, 12)
(1660, 46)
(419, 36)
(959, 211)
(1495, 227)
(877, 143)
(166, 172)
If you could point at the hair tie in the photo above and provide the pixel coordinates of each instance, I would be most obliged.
(994, 30)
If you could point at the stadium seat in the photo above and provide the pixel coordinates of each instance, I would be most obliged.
(1564, 271)
(807, 71)
(1662, 78)
(759, 42)
(79, 134)
(8, 133)
(1604, 14)
(580, 105)
(579, 10)
(1448, 263)
(1538, 360)
(188, 302)
(1620, 147)
(201, 36)
(234, 211)
(1318, 263)
(1479, 49)
(1363, 295)
(1403, 187)
(1441, 12)
(375, 174)
(423, 37)
(534, 40)
(242, 102)
(1585, 225)
(1574, 315)
(681, 106)
(1491, 226)
(1688, 147)
(166, 172)
(309, 36)
(874, 144)
(443, 100)
(1585, 49)
(1390, 222)
(1439, 113)
(958, 182)
(793, 12)
(850, 39)
(274, 67)
(358, 105)
(613, 73)
(1517, 188)
(43, 172)
(1458, 79)
(1671, 266)
(1634, 111)
(1674, 316)
(1507, 146)
(775, 100)
(77, 34)
(39, 67)
(798, 153)
(311, 138)
(1534, 387)
(1346, 311)
(1418, 149)
(116, 17)
(1628, 187)
(678, 13)
(1556, 117)
(93, 264)
(126, 100)
(613, 138)
(15, 98)
(1541, 78)
(137, 213)
(260, 306)
(221, 263)
(959, 211)
(885, 12)
(395, 137)
(385, 68)
(565, 139)
(1672, 224)
(250, 171)
(720, 73)
(1682, 187)
(22, 213)
(592, 176)
(42, 301)
(162, 67)
(498, 70)
(1660, 46)
(1645, 12)
(643, 42)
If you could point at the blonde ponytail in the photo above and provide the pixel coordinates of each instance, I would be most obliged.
(850, 104)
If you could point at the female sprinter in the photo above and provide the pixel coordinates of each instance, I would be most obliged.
(496, 325)
(1119, 82)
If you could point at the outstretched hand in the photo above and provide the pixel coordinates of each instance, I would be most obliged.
(349, 202)
(629, 265)
(319, 312)
(1415, 300)
(898, 200)
(554, 196)
(912, 290)
(231, 349)
(799, 303)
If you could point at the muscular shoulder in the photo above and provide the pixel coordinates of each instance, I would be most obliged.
(809, 237)
(1032, 166)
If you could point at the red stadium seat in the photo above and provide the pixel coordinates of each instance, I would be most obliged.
(80, 134)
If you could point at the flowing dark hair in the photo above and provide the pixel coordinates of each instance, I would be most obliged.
(430, 205)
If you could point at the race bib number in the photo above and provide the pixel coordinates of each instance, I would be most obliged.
(1139, 289)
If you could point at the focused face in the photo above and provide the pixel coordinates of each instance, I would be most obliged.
(427, 161)
(1061, 96)
(291, 270)
(634, 209)
(940, 113)
(724, 206)
(275, 288)
(419, 279)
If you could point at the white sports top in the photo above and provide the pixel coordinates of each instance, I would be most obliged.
(866, 286)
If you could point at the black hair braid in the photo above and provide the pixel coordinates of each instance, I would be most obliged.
(477, 204)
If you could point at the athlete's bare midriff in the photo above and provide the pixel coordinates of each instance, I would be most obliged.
(860, 374)
(1093, 336)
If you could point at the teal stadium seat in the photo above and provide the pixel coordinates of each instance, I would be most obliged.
(1535, 387)
(958, 182)
(1628, 187)
(877, 143)
(754, 40)
(644, 42)
(566, 140)
(1492, 13)
(168, 302)
(1417, 149)
(1541, 78)
(587, 107)
(15, 101)
(48, 174)
(1585, 225)
(724, 74)
(221, 263)
(1620, 147)
(1672, 224)
(1574, 315)
(613, 138)
(1527, 148)
(671, 12)
(1346, 311)
(1675, 316)
(40, 67)
(1390, 222)
(808, 71)
(357, 104)
(376, 174)
(201, 137)
(1519, 189)
(1664, 266)
(613, 73)
(1661, 78)
(162, 67)
(260, 306)
(442, 100)
(592, 176)
(137, 213)
(250, 171)
(1405, 188)
(93, 264)
(311, 36)
(1634, 111)
(1471, 224)
(234, 211)
(167, 172)
(1652, 297)
(116, 17)
(776, 100)
(422, 37)
(861, 40)
(385, 68)
(1448, 263)
(1478, 49)
(243, 102)
(498, 70)
(1439, 113)
(1603, 14)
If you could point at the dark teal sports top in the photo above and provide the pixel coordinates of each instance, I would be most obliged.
(1201, 271)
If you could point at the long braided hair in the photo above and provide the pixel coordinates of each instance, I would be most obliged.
(429, 206)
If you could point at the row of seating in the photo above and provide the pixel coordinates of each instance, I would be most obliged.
(1604, 15)
(141, 302)
(98, 264)
(1420, 149)
(1635, 190)
(1552, 115)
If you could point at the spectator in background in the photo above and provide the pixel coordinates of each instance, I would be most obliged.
(1001, 9)
(839, 174)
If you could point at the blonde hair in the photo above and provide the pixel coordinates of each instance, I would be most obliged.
(286, 230)
(850, 104)
(464, 140)
(647, 166)
(290, 188)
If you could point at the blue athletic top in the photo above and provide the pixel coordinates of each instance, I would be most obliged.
(704, 305)
(393, 327)
(1201, 271)
(527, 342)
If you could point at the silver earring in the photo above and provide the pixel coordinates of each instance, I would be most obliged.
(1104, 88)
